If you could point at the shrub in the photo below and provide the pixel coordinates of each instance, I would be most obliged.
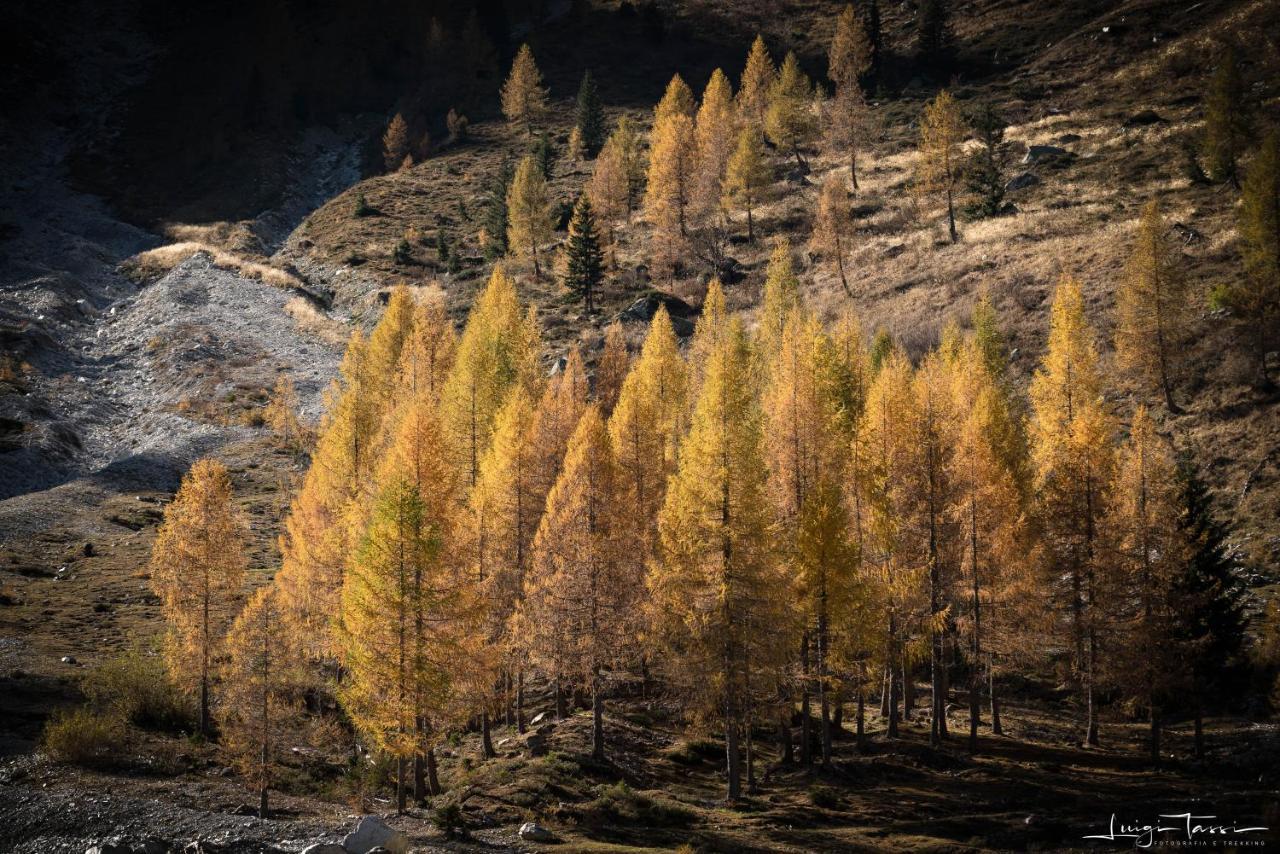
(83, 736)
(1221, 297)
(695, 751)
(362, 206)
(451, 821)
(619, 803)
(824, 796)
(134, 688)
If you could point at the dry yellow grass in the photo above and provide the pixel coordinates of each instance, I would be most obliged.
(156, 262)
(315, 323)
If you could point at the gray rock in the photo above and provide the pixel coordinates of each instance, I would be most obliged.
(324, 848)
(539, 718)
(531, 832)
(1018, 182)
(1144, 118)
(71, 659)
(372, 832)
(1038, 153)
(114, 845)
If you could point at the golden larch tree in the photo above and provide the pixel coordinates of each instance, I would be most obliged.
(395, 143)
(715, 132)
(400, 603)
(941, 134)
(524, 98)
(670, 187)
(676, 100)
(611, 372)
(1151, 666)
(790, 120)
(780, 297)
(747, 175)
(1258, 296)
(1154, 307)
(757, 80)
(281, 415)
(645, 430)
(581, 598)
(848, 124)
(499, 348)
(197, 567)
(849, 56)
(716, 592)
(529, 221)
(259, 702)
(832, 224)
(1073, 459)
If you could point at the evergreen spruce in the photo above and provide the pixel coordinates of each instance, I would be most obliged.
(590, 116)
(585, 259)
(985, 175)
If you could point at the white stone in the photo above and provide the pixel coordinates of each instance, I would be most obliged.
(372, 832)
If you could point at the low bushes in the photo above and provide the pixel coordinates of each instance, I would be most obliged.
(83, 736)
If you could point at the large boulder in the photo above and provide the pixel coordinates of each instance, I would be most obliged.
(1040, 153)
(531, 832)
(1018, 182)
(372, 832)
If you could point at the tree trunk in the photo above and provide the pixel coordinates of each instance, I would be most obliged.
(806, 751)
(886, 687)
(951, 215)
(419, 777)
(908, 693)
(520, 727)
(893, 705)
(853, 168)
(400, 790)
(786, 752)
(597, 719)
(1091, 733)
(433, 778)
(732, 766)
(996, 729)
(204, 704)
(561, 711)
(751, 759)
(862, 719)
(486, 741)
(262, 803)
(751, 232)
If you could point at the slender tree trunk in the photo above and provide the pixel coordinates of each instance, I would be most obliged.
(786, 752)
(862, 718)
(853, 168)
(823, 703)
(400, 790)
(263, 812)
(419, 766)
(751, 757)
(486, 741)
(894, 694)
(433, 777)
(1091, 733)
(996, 729)
(204, 704)
(886, 683)
(597, 718)
(951, 214)
(520, 725)
(732, 766)
(806, 751)
(506, 696)
(561, 711)
(751, 232)
(908, 692)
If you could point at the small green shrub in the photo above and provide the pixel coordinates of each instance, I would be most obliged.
(825, 797)
(1221, 297)
(134, 688)
(83, 737)
(362, 207)
(451, 821)
(695, 751)
(619, 803)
